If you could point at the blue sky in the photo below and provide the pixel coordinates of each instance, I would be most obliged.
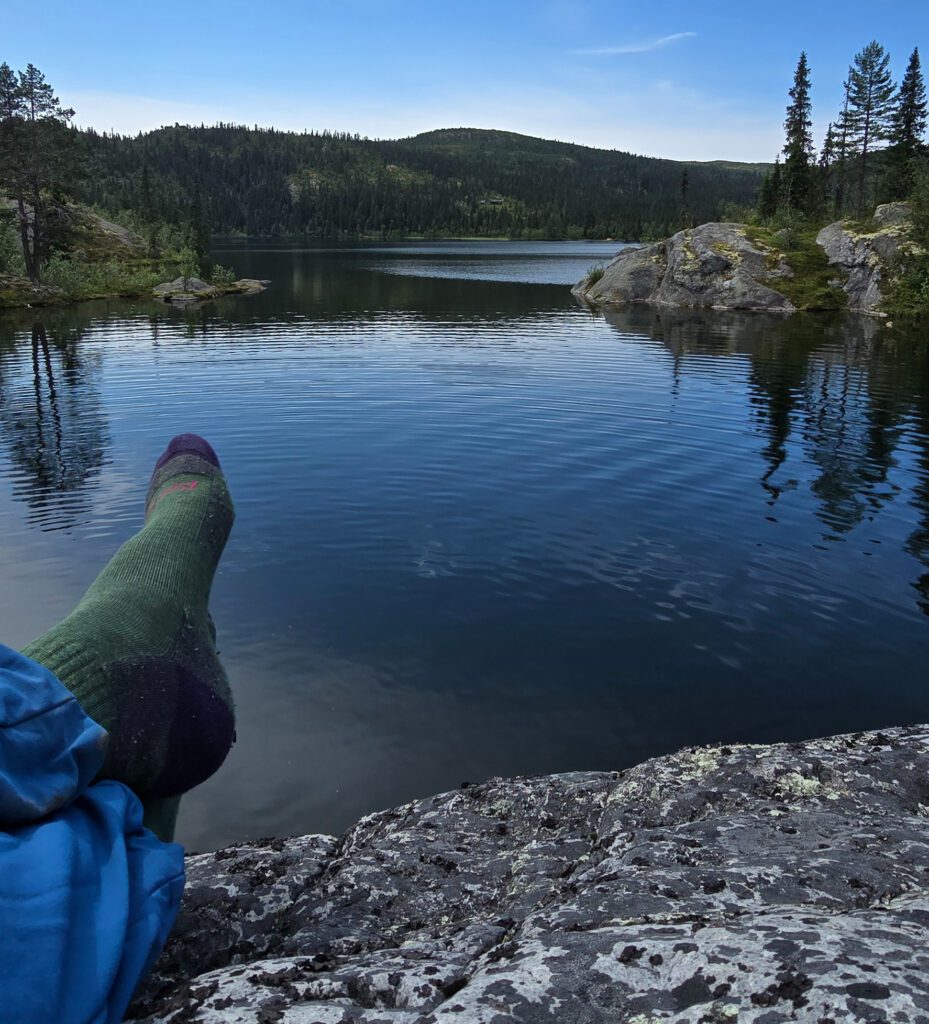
(698, 80)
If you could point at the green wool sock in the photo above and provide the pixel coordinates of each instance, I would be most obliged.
(139, 652)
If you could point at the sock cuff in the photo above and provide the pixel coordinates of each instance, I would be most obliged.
(77, 669)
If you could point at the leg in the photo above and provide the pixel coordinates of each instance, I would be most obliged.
(139, 651)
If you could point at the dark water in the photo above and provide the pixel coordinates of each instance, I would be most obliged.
(483, 531)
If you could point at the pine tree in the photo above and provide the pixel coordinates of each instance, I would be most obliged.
(34, 154)
(12, 145)
(907, 127)
(870, 107)
(798, 148)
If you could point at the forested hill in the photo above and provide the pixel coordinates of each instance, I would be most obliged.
(455, 182)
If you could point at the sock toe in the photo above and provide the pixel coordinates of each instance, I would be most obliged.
(185, 454)
(188, 444)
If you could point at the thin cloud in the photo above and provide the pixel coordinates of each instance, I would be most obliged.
(654, 44)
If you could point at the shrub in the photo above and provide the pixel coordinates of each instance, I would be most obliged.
(80, 280)
(11, 253)
(908, 285)
(222, 275)
(188, 263)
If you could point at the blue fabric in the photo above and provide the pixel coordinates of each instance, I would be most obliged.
(87, 895)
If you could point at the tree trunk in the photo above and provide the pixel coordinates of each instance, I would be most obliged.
(864, 158)
(36, 236)
(28, 257)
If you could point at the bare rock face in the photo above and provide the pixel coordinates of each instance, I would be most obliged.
(83, 233)
(713, 265)
(862, 256)
(748, 883)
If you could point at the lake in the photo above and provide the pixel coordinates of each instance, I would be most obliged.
(481, 530)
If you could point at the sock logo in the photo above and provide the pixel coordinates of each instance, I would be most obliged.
(184, 485)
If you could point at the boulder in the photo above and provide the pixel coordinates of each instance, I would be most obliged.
(861, 254)
(186, 290)
(752, 883)
(250, 285)
(712, 265)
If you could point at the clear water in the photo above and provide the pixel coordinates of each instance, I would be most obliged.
(482, 530)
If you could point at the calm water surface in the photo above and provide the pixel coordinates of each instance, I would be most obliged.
(481, 530)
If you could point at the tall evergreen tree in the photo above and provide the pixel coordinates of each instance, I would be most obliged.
(769, 194)
(199, 229)
(907, 127)
(842, 150)
(828, 163)
(870, 108)
(35, 147)
(798, 189)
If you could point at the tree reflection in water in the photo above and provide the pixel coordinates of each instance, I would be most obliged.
(52, 424)
(840, 394)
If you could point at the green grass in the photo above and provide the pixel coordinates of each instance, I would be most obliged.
(594, 274)
(811, 286)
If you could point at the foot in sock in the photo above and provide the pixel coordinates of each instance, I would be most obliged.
(139, 650)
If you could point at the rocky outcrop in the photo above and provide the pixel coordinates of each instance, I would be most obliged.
(758, 884)
(186, 290)
(736, 266)
(84, 234)
(714, 265)
(862, 254)
(18, 292)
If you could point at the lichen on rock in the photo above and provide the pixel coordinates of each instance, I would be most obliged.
(713, 265)
(750, 883)
(862, 253)
(737, 266)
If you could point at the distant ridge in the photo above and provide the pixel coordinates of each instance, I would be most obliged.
(450, 137)
(450, 182)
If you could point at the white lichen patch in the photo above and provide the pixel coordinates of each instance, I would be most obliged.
(599, 896)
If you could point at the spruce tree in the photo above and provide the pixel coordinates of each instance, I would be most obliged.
(798, 148)
(199, 228)
(870, 107)
(828, 159)
(842, 150)
(907, 127)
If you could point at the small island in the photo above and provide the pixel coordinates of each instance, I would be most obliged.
(184, 291)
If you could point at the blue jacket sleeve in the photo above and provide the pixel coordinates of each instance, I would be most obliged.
(87, 895)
